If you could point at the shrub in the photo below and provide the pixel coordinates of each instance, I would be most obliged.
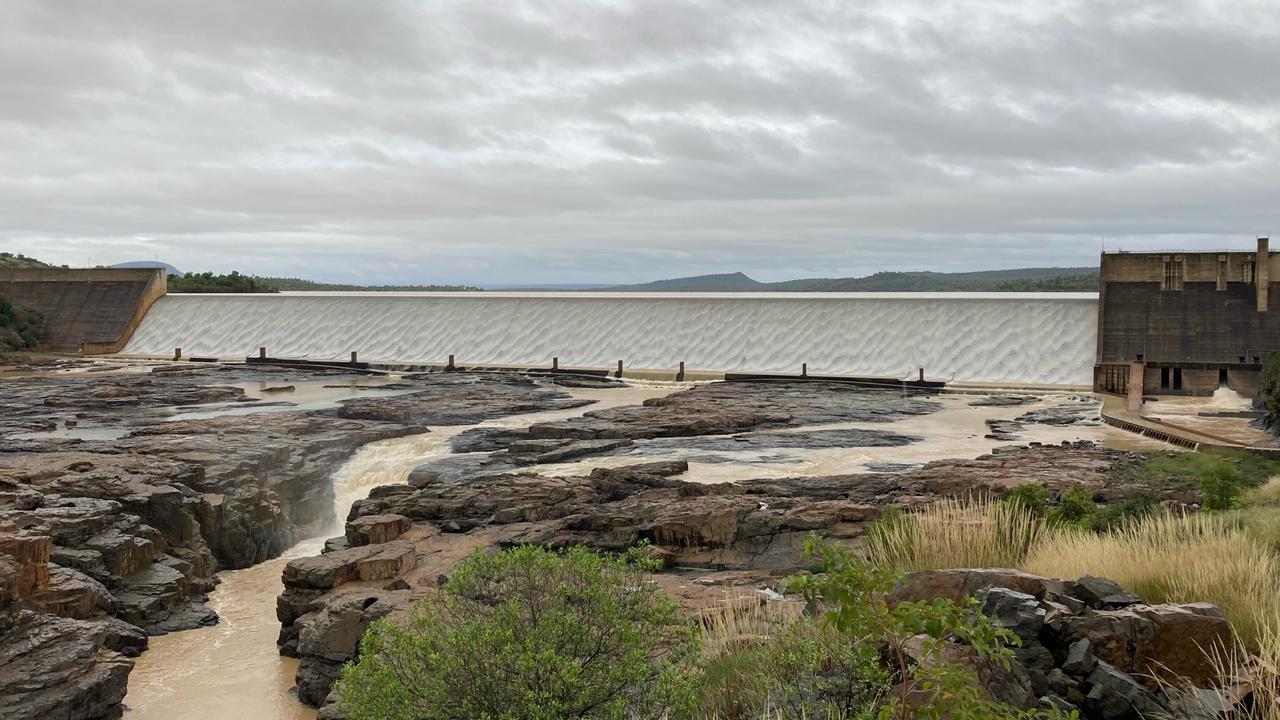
(20, 327)
(1134, 506)
(1220, 486)
(938, 687)
(1075, 507)
(804, 669)
(1032, 497)
(1270, 389)
(528, 634)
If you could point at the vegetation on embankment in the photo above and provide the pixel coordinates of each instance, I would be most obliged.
(234, 282)
(20, 327)
(18, 261)
(295, 284)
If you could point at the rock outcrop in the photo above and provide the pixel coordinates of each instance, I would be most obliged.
(1086, 645)
(113, 528)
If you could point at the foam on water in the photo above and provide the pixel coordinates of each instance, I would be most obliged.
(1046, 338)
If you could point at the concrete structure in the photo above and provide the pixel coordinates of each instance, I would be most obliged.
(1022, 339)
(88, 311)
(1186, 323)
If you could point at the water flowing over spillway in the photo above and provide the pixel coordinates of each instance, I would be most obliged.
(1045, 338)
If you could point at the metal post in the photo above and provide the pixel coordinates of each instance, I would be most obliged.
(262, 353)
(804, 369)
(177, 353)
(555, 363)
(619, 368)
(353, 357)
(921, 374)
(680, 373)
(450, 365)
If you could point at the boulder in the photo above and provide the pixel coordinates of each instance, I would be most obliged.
(1116, 695)
(1161, 642)
(376, 529)
(368, 562)
(1099, 593)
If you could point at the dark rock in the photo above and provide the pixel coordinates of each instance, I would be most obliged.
(1101, 593)
(1115, 695)
(1080, 660)
(1017, 612)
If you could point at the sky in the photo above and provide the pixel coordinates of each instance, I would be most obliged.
(623, 141)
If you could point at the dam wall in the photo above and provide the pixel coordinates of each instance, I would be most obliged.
(1045, 338)
(92, 310)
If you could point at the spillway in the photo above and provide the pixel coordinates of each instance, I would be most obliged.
(1041, 338)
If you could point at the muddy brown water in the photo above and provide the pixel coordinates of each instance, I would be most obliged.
(233, 672)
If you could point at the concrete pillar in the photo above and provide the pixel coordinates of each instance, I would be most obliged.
(353, 357)
(1136, 372)
(1263, 273)
(262, 353)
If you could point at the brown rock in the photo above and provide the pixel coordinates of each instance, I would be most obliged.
(369, 562)
(1161, 641)
(376, 529)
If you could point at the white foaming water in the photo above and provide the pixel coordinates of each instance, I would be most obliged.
(1043, 338)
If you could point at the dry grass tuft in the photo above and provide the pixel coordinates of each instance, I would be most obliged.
(744, 621)
(957, 534)
(1175, 558)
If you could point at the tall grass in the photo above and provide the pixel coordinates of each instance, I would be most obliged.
(1175, 558)
(977, 533)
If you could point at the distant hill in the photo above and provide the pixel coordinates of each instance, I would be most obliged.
(726, 282)
(1072, 279)
(171, 270)
(11, 261)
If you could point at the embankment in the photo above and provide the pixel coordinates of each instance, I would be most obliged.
(94, 311)
(989, 337)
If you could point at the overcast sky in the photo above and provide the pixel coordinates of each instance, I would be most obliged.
(540, 142)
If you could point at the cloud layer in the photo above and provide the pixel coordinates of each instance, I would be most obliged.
(559, 141)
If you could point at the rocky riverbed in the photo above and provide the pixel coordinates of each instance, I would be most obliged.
(124, 490)
(104, 542)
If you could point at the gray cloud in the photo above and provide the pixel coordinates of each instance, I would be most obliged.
(620, 140)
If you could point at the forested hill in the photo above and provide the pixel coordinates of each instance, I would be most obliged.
(11, 261)
(1076, 279)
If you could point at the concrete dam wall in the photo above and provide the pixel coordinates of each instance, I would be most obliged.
(93, 311)
(1045, 338)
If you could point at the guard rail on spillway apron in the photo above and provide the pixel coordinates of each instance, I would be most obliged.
(1040, 339)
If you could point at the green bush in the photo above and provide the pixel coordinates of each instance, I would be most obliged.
(1270, 389)
(806, 670)
(855, 593)
(528, 634)
(20, 327)
(1135, 505)
(1221, 486)
(1075, 507)
(1031, 497)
